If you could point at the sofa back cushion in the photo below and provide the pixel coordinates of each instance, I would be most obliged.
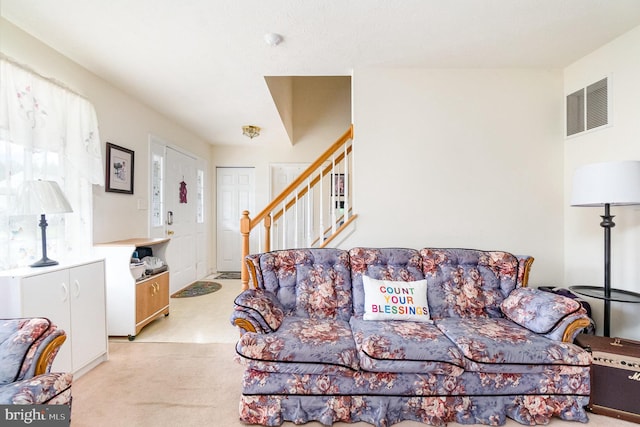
(468, 282)
(395, 264)
(314, 283)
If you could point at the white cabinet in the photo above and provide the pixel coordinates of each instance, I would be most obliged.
(71, 296)
(131, 304)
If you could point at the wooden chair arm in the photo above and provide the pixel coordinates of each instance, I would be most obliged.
(574, 326)
(47, 355)
(244, 324)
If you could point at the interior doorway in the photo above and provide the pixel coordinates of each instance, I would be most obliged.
(235, 193)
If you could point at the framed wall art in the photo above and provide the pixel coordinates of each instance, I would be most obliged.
(337, 187)
(120, 163)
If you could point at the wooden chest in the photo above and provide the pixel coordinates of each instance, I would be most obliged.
(615, 376)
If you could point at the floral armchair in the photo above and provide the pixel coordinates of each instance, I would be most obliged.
(28, 347)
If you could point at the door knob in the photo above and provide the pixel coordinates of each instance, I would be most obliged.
(169, 232)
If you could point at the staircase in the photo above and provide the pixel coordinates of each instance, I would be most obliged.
(312, 211)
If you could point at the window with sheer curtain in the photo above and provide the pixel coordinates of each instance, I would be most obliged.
(46, 132)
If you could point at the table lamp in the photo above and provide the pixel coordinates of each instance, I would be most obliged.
(42, 197)
(607, 184)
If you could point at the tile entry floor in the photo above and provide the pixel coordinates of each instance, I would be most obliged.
(201, 319)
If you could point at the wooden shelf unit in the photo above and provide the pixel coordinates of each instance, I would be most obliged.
(131, 304)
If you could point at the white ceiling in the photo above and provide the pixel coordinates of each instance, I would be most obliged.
(203, 62)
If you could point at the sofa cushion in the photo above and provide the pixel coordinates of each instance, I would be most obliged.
(395, 300)
(301, 345)
(407, 347)
(537, 310)
(468, 282)
(501, 346)
(309, 282)
(396, 264)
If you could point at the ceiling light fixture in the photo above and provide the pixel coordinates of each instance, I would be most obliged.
(273, 39)
(251, 131)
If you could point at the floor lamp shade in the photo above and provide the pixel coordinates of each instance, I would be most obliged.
(607, 184)
(41, 198)
(613, 183)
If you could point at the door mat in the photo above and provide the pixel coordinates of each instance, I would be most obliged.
(201, 287)
(229, 275)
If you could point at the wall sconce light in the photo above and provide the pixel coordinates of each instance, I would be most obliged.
(251, 131)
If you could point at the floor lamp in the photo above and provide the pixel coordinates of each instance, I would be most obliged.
(42, 197)
(606, 184)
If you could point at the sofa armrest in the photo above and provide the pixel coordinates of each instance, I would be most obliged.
(551, 315)
(38, 390)
(569, 328)
(257, 310)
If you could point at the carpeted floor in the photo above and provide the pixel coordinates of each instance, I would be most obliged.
(160, 384)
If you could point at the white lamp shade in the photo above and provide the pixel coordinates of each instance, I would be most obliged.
(615, 183)
(41, 197)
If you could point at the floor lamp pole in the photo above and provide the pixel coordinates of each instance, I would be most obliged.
(607, 223)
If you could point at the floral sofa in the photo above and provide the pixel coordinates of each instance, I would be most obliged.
(28, 347)
(382, 335)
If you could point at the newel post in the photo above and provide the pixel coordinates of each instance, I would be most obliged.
(245, 229)
(267, 233)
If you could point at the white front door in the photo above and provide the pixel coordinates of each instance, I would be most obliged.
(235, 193)
(180, 191)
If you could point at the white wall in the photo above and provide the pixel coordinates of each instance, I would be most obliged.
(122, 121)
(584, 259)
(461, 158)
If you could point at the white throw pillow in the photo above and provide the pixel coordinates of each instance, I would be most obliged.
(389, 300)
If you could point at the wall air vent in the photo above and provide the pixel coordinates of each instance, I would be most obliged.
(588, 108)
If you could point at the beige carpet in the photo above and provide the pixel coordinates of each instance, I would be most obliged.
(160, 384)
(185, 384)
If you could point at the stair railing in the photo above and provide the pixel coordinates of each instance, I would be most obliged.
(310, 212)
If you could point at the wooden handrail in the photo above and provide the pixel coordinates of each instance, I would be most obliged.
(267, 215)
(304, 175)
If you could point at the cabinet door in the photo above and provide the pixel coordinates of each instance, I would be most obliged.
(47, 295)
(152, 295)
(145, 293)
(163, 291)
(88, 317)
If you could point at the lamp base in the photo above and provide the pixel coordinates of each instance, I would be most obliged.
(44, 262)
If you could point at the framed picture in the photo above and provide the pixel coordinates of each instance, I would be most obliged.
(337, 187)
(119, 169)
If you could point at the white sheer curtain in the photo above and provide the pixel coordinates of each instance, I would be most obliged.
(46, 132)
